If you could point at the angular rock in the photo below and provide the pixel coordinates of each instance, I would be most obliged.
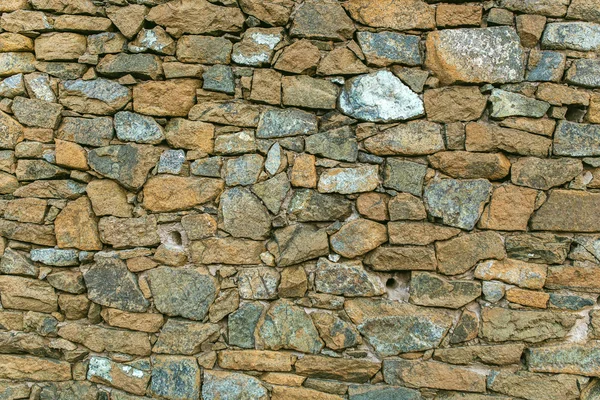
(503, 354)
(335, 332)
(427, 289)
(76, 226)
(29, 170)
(236, 385)
(509, 104)
(26, 210)
(55, 257)
(36, 113)
(98, 96)
(100, 339)
(453, 15)
(532, 386)
(544, 174)
(24, 21)
(243, 215)
(385, 48)
(255, 360)
(20, 368)
(273, 191)
(170, 98)
(57, 46)
(419, 233)
(87, 131)
(27, 294)
(196, 16)
(169, 193)
(227, 251)
(550, 8)
(128, 164)
(500, 324)
(244, 170)
(358, 237)
(108, 198)
(129, 232)
(359, 179)
(379, 97)
(258, 283)
(576, 140)
(543, 248)
(11, 132)
(393, 328)
(459, 255)
(411, 14)
(568, 211)
(584, 73)
(121, 376)
(12, 86)
(545, 66)
(297, 243)
(311, 206)
(582, 36)
(24, 232)
(344, 369)
(286, 326)
(579, 276)
(455, 103)
(287, 122)
(451, 55)
(204, 49)
(179, 336)
(509, 209)
(16, 63)
(257, 46)
(182, 292)
(273, 12)
(405, 258)
(304, 91)
(145, 322)
(488, 138)
(520, 273)
(110, 284)
(299, 57)
(467, 165)
(323, 20)
(190, 135)
(137, 128)
(412, 138)
(348, 279)
(175, 377)
(69, 390)
(238, 113)
(242, 323)
(129, 19)
(341, 61)
(587, 10)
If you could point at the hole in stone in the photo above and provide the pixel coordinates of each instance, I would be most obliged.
(391, 283)
(176, 238)
(575, 113)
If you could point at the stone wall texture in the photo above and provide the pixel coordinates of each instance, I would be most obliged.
(299, 199)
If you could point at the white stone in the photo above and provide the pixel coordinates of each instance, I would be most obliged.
(349, 180)
(132, 127)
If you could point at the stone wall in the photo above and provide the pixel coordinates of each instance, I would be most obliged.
(299, 199)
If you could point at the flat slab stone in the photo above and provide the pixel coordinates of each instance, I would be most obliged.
(568, 211)
(582, 36)
(577, 140)
(584, 73)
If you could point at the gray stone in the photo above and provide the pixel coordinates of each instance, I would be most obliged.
(278, 123)
(258, 283)
(109, 283)
(235, 143)
(338, 144)
(478, 55)
(62, 70)
(322, 20)
(308, 205)
(179, 336)
(171, 162)
(182, 292)
(243, 215)
(36, 113)
(54, 189)
(67, 281)
(175, 378)
(155, 40)
(404, 176)
(542, 248)
(12, 86)
(509, 104)
(576, 140)
(129, 232)
(146, 66)
(492, 291)
(11, 132)
(584, 73)
(39, 87)
(427, 289)
(337, 333)
(132, 127)
(210, 167)
(570, 302)
(243, 170)
(219, 78)
(458, 203)
(385, 48)
(31, 170)
(415, 78)
(16, 63)
(106, 42)
(257, 46)
(286, 326)
(382, 392)
(582, 36)
(105, 371)
(14, 263)
(379, 97)
(273, 191)
(204, 49)
(413, 138)
(242, 323)
(98, 96)
(67, 391)
(348, 279)
(87, 131)
(543, 174)
(546, 66)
(129, 164)
(221, 385)
(297, 243)
(550, 8)
(55, 257)
(363, 178)
(392, 327)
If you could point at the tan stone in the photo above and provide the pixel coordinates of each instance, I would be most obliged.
(341, 61)
(140, 264)
(530, 28)
(60, 46)
(460, 254)
(529, 298)
(81, 23)
(255, 360)
(299, 57)
(487, 137)
(121, 376)
(300, 393)
(503, 354)
(453, 15)
(454, 103)
(236, 112)
(408, 14)
(129, 20)
(358, 237)
(171, 98)
(342, 369)
(266, 86)
(419, 233)
(13, 5)
(145, 322)
(8, 183)
(170, 193)
(593, 114)
(73, 306)
(27, 294)
(509, 209)
(540, 126)
(273, 12)
(26, 210)
(282, 378)
(100, 339)
(373, 206)
(227, 251)
(191, 135)
(24, 232)
(108, 198)
(405, 258)
(579, 276)
(557, 94)
(67, 6)
(527, 385)
(27, 368)
(515, 272)
(405, 206)
(568, 211)
(304, 172)
(467, 165)
(410, 139)
(305, 91)
(76, 226)
(70, 155)
(24, 21)
(199, 226)
(293, 282)
(129, 232)
(14, 42)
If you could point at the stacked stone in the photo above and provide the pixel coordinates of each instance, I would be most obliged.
(299, 199)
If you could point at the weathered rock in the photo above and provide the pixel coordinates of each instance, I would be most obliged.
(544, 248)
(431, 374)
(76, 226)
(379, 97)
(11, 132)
(171, 98)
(500, 324)
(273, 12)
(545, 66)
(298, 243)
(341, 61)
(60, 46)
(338, 144)
(170, 193)
(137, 128)
(195, 17)
(27, 294)
(179, 336)
(190, 135)
(467, 165)
(403, 258)
(358, 237)
(404, 175)
(311, 206)
(273, 191)
(324, 20)
(69, 390)
(36, 113)
(98, 96)
(391, 327)
(91, 132)
(348, 279)
(381, 392)
(121, 376)
(337, 368)
(458, 255)
(576, 140)
(509, 104)
(412, 138)
(509, 209)
(587, 10)
(129, 232)
(568, 211)
(412, 14)
(582, 36)
(16, 63)
(236, 385)
(458, 203)
(335, 332)
(204, 49)
(145, 322)
(108, 198)
(255, 360)
(532, 386)
(544, 174)
(286, 326)
(427, 289)
(129, 19)
(549, 8)
(257, 46)
(579, 276)
(488, 138)
(100, 339)
(12, 86)
(242, 323)
(454, 103)
(32, 233)
(227, 251)
(503, 354)
(584, 73)
(288, 122)
(237, 113)
(20, 368)
(258, 283)
(243, 170)
(358, 179)
(29, 170)
(520, 273)
(110, 284)
(419, 233)
(26, 210)
(299, 393)
(299, 57)
(243, 215)
(22, 21)
(385, 48)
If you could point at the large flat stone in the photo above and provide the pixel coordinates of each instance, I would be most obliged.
(577, 140)
(568, 211)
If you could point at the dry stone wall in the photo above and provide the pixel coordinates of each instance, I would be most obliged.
(299, 199)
